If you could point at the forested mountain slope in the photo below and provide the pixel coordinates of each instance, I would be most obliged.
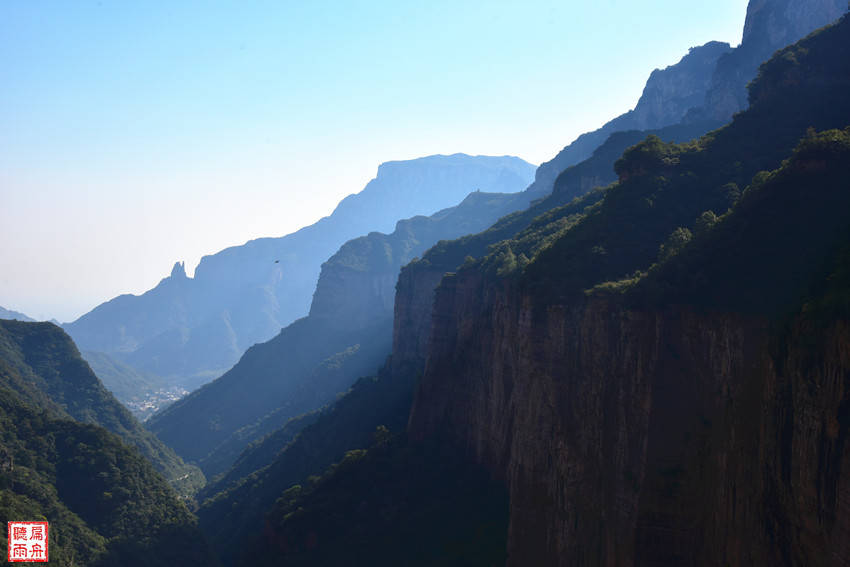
(639, 391)
(44, 368)
(106, 504)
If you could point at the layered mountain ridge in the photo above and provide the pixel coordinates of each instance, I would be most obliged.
(679, 417)
(611, 414)
(10, 314)
(346, 335)
(769, 26)
(370, 264)
(190, 330)
(667, 97)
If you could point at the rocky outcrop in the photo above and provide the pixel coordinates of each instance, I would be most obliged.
(412, 322)
(346, 336)
(644, 437)
(668, 95)
(671, 92)
(695, 414)
(770, 25)
(708, 85)
(777, 23)
(179, 270)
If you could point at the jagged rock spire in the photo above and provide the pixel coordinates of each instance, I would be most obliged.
(179, 270)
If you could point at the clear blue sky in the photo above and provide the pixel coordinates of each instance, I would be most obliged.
(137, 133)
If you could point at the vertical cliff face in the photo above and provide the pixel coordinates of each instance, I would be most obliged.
(668, 95)
(694, 414)
(671, 92)
(412, 322)
(657, 437)
(770, 25)
(777, 23)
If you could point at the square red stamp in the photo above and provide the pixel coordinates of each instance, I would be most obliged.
(28, 542)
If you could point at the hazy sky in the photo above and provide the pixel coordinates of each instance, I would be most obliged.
(135, 134)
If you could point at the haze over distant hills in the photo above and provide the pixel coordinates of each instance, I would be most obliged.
(40, 362)
(641, 359)
(463, 342)
(189, 330)
(347, 334)
(9, 314)
(350, 322)
(72, 455)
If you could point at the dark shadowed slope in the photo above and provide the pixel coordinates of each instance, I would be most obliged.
(346, 335)
(106, 505)
(370, 264)
(497, 364)
(694, 415)
(50, 374)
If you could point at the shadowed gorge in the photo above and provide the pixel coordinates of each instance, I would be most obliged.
(105, 502)
(47, 371)
(623, 419)
(636, 354)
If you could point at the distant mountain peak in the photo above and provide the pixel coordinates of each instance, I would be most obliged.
(188, 330)
(10, 314)
(179, 270)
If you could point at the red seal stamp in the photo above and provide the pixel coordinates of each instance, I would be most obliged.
(27, 542)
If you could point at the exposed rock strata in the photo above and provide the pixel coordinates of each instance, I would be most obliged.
(627, 437)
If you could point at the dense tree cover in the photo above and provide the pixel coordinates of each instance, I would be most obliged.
(395, 504)
(273, 382)
(576, 188)
(237, 503)
(783, 235)
(50, 373)
(664, 187)
(669, 197)
(130, 386)
(103, 500)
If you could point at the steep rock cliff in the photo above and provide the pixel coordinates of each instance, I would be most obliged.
(346, 335)
(668, 95)
(645, 437)
(770, 25)
(694, 412)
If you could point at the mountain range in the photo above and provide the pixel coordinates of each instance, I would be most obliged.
(282, 459)
(640, 359)
(656, 376)
(188, 331)
(354, 295)
(9, 314)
